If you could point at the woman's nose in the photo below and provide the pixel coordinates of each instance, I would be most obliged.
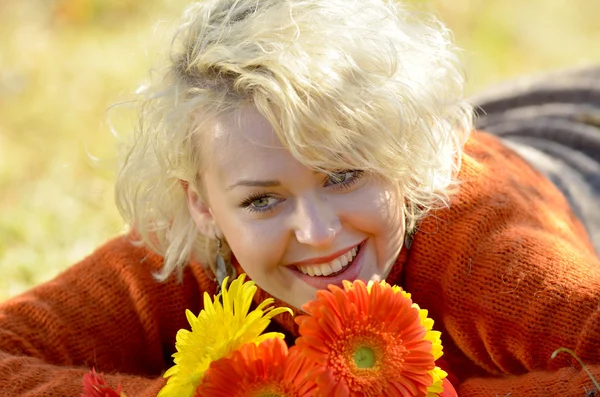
(317, 222)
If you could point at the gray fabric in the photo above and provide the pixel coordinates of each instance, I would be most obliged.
(553, 121)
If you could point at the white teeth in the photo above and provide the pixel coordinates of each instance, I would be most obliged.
(325, 269)
(337, 265)
(348, 258)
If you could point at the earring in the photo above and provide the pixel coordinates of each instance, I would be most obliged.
(408, 238)
(221, 266)
(223, 269)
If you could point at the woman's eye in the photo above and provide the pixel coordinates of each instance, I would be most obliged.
(262, 202)
(342, 177)
(259, 203)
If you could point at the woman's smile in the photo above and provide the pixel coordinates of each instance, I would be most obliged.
(320, 272)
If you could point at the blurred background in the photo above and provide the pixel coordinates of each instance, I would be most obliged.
(63, 63)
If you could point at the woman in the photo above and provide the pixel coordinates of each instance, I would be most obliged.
(307, 142)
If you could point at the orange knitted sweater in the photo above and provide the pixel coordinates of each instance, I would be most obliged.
(507, 273)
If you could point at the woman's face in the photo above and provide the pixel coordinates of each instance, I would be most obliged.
(292, 229)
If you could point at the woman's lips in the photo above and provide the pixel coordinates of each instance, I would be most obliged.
(350, 273)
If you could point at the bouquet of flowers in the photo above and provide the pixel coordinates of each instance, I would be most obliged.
(359, 340)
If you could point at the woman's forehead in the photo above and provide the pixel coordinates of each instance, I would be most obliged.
(245, 126)
(247, 143)
(244, 132)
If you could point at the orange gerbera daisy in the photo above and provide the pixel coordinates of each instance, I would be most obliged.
(267, 369)
(367, 340)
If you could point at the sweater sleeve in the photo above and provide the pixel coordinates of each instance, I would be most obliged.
(25, 376)
(509, 275)
(565, 382)
(106, 312)
(545, 295)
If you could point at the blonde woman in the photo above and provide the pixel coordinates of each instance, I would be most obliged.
(306, 143)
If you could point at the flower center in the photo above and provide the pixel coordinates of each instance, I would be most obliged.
(268, 391)
(364, 357)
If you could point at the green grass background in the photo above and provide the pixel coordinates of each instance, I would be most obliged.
(64, 62)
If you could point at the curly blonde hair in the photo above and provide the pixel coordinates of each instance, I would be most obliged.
(346, 84)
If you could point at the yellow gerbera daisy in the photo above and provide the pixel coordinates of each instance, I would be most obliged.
(219, 329)
(437, 374)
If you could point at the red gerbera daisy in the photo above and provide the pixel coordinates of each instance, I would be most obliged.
(366, 341)
(94, 385)
(267, 369)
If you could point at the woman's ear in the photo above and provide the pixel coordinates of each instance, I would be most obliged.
(200, 212)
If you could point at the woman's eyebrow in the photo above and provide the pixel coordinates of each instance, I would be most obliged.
(259, 183)
(251, 183)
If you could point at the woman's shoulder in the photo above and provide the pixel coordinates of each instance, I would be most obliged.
(128, 254)
(121, 265)
(499, 189)
(505, 258)
(494, 175)
(121, 253)
(490, 166)
(127, 250)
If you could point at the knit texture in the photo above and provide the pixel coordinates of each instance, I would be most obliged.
(507, 273)
(552, 120)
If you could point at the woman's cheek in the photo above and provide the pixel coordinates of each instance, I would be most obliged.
(369, 209)
(258, 242)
